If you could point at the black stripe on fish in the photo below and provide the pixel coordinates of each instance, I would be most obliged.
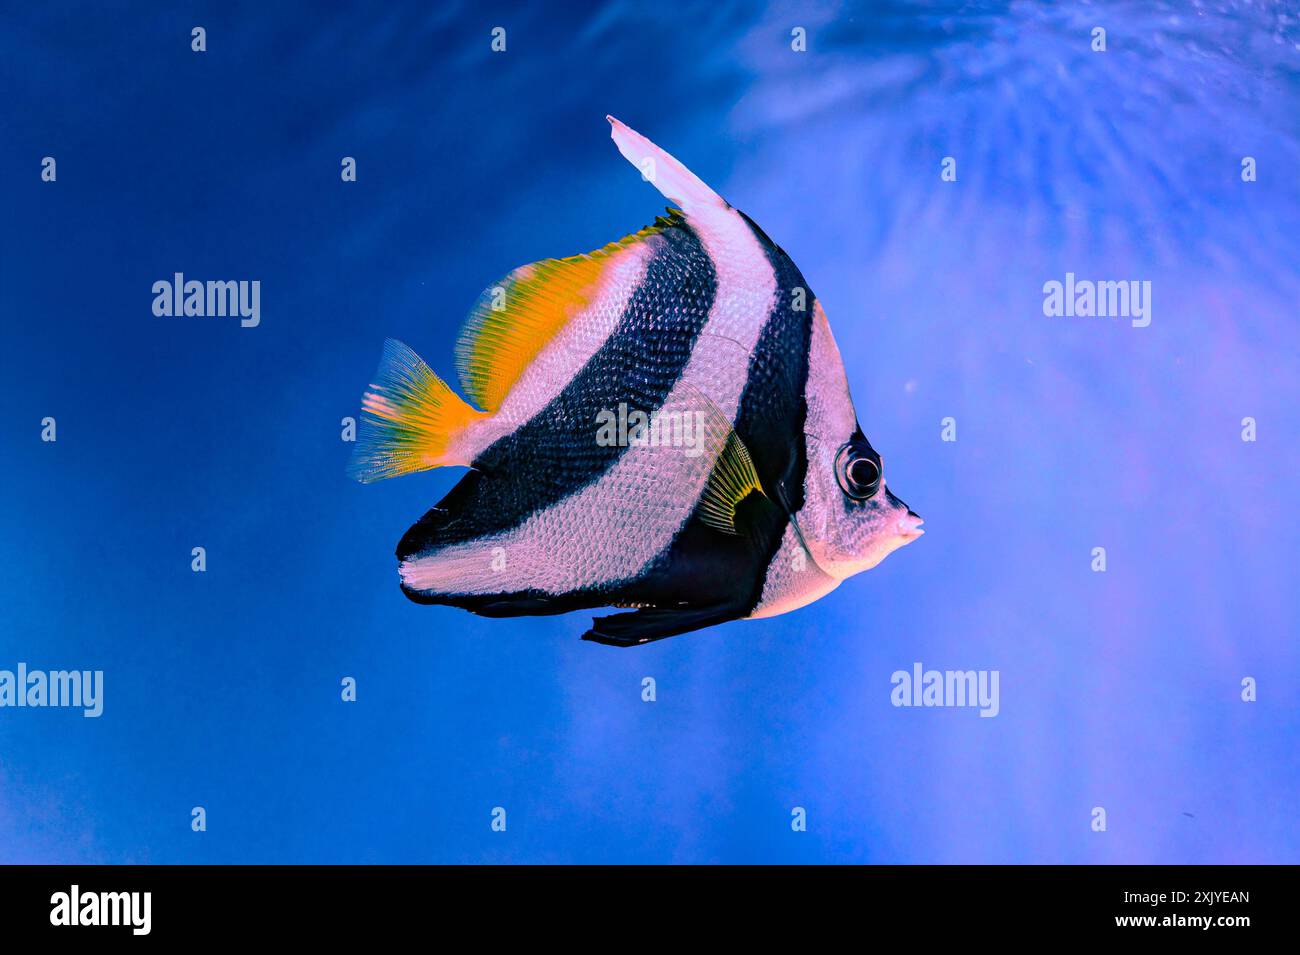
(706, 577)
(774, 406)
(555, 454)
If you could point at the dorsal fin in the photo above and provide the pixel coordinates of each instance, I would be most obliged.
(664, 172)
(513, 320)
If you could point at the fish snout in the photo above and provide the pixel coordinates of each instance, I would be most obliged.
(909, 526)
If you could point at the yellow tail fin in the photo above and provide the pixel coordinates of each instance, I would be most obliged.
(409, 419)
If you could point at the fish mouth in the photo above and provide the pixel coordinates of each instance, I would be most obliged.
(909, 526)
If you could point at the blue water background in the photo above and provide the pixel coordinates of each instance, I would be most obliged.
(1119, 690)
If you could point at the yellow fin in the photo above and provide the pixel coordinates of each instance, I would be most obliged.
(734, 476)
(732, 480)
(409, 417)
(513, 321)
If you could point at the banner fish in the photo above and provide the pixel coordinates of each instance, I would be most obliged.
(662, 425)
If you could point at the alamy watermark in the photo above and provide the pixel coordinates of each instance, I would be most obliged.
(179, 297)
(75, 907)
(1085, 298)
(68, 688)
(922, 687)
(667, 429)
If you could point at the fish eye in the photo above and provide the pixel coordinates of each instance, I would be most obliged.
(858, 474)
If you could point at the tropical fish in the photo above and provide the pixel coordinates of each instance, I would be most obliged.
(662, 425)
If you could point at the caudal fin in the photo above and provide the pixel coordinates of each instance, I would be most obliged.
(409, 419)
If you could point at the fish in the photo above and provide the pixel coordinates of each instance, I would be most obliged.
(661, 426)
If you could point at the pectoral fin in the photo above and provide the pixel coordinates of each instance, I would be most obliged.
(733, 480)
(733, 492)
